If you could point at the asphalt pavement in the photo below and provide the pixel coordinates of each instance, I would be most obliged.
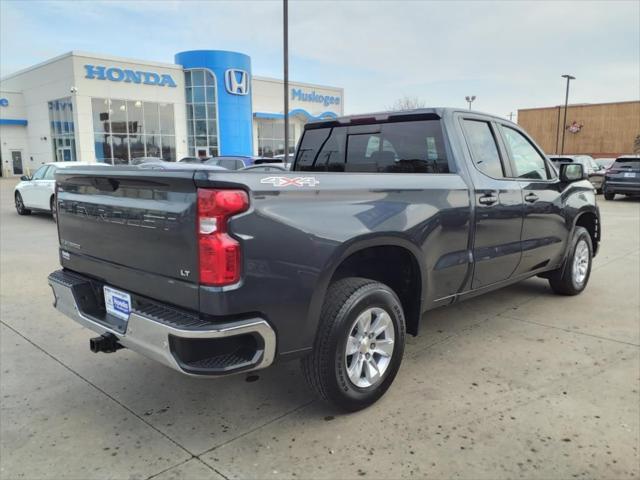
(517, 383)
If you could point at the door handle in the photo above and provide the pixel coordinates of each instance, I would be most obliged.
(488, 199)
(531, 197)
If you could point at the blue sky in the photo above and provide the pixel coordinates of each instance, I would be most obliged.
(509, 54)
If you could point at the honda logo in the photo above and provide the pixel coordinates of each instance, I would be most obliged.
(236, 81)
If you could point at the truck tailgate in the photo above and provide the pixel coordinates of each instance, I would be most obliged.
(133, 229)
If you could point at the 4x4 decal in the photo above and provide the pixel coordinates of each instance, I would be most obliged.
(291, 181)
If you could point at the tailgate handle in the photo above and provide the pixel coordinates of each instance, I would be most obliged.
(105, 184)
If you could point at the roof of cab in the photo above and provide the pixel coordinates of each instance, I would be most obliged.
(386, 116)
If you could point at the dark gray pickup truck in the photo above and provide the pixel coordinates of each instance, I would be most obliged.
(382, 218)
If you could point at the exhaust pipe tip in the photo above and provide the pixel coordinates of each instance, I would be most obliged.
(106, 343)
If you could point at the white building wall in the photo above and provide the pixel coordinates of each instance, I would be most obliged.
(39, 85)
(95, 88)
(12, 137)
(30, 90)
(268, 98)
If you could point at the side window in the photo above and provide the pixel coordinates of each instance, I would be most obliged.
(40, 173)
(484, 150)
(50, 174)
(527, 162)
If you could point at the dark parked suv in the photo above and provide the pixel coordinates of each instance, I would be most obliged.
(382, 218)
(623, 177)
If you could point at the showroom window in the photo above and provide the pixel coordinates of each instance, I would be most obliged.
(202, 113)
(128, 129)
(62, 130)
(271, 137)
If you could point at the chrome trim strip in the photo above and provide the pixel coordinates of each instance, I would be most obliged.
(151, 338)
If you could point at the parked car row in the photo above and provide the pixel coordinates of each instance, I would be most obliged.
(609, 176)
(37, 192)
(235, 162)
(594, 171)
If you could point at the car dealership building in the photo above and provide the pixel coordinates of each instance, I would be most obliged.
(89, 107)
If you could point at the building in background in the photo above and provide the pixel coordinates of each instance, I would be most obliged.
(96, 108)
(597, 129)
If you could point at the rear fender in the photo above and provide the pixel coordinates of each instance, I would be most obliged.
(345, 251)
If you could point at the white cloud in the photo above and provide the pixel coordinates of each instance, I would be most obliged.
(509, 54)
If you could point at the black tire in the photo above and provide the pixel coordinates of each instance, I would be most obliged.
(565, 280)
(325, 369)
(609, 195)
(52, 206)
(20, 208)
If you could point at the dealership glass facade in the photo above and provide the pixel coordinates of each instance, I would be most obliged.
(62, 130)
(202, 112)
(128, 129)
(271, 137)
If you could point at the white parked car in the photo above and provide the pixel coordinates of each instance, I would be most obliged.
(38, 191)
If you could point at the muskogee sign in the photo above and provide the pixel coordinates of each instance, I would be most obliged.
(116, 74)
(302, 96)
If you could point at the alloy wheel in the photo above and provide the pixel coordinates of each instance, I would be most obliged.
(580, 262)
(369, 347)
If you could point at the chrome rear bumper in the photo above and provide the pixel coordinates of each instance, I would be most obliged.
(149, 336)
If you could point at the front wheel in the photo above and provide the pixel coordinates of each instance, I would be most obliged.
(573, 276)
(359, 344)
(20, 208)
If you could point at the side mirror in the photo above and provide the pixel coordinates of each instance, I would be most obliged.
(572, 172)
(25, 178)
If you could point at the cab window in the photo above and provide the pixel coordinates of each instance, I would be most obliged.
(483, 148)
(527, 161)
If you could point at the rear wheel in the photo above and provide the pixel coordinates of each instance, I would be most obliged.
(359, 344)
(609, 195)
(573, 276)
(20, 208)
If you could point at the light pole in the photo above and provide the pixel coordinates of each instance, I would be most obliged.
(566, 104)
(285, 28)
(470, 100)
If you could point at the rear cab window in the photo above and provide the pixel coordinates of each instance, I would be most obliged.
(415, 146)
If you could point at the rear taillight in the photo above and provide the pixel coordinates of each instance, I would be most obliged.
(220, 256)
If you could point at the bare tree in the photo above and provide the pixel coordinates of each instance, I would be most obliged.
(636, 144)
(407, 103)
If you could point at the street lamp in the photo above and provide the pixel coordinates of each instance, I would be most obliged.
(566, 104)
(470, 100)
(285, 45)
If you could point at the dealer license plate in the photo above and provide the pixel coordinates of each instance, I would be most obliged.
(629, 174)
(117, 303)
